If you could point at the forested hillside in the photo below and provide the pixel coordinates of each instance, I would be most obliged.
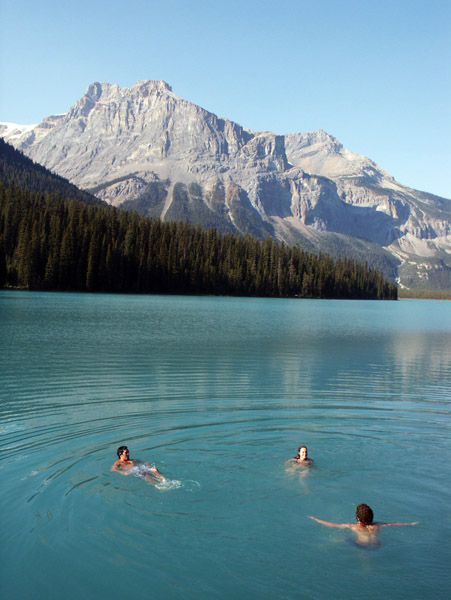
(49, 243)
(26, 174)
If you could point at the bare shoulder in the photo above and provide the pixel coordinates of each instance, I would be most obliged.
(366, 528)
(294, 462)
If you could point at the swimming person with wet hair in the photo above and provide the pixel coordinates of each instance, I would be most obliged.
(301, 458)
(365, 529)
(127, 466)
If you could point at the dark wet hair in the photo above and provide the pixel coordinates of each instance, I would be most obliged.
(299, 451)
(120, 450)
(364, 514)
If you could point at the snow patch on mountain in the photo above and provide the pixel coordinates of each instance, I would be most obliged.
(12, 131)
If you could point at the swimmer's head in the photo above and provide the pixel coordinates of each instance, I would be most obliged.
(364, 514)
(121, 450)
(302, 453)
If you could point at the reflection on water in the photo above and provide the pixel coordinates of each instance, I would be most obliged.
(219, 393)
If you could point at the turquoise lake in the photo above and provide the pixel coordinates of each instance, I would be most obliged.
(218, 393)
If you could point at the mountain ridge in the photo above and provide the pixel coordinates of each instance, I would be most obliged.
(145, 147)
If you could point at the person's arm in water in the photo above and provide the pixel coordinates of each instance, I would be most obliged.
(330, 524)
(396, 524)
(359, 525)
(117, 466)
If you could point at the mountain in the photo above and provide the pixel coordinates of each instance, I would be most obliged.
(147, 149)
(28, 175)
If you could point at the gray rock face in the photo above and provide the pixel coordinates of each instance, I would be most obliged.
(146, 148)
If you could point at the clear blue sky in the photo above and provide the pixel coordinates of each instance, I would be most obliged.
(376, 74)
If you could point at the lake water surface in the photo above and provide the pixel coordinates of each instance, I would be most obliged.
(218, 393)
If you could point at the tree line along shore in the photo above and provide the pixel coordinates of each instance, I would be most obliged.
(51, 243)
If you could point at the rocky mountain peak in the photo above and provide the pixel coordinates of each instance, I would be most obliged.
(95, 90)
(151, 85)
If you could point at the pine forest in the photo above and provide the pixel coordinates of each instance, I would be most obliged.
(51, 243)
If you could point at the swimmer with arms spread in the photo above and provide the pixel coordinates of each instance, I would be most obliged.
(127, 466)
(301, 458)
(365, 529)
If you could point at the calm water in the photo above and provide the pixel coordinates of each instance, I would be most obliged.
(218, 393)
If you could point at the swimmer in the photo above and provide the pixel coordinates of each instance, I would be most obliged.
(365, 529)
(301, 458)
(127, 466)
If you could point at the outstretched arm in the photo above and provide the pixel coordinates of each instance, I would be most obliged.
(396, 524)
(330, 524)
